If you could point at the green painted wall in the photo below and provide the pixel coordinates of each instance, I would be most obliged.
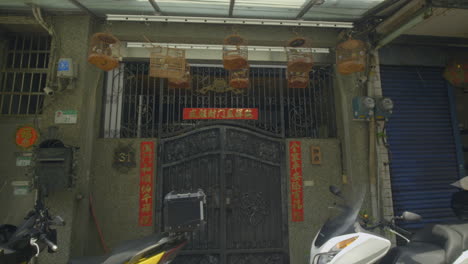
(317, 198)
(115, 196)
(14, 208)
(73, 34)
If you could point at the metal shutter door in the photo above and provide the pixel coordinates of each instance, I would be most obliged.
(423, 147)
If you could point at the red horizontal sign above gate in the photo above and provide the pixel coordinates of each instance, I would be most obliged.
(221, 113)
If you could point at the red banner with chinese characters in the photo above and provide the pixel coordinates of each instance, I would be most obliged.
(221, 113)
(146, 183)
(295, 167)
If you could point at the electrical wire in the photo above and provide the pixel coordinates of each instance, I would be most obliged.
(98, 227)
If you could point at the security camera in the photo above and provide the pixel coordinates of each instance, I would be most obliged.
(49, 91)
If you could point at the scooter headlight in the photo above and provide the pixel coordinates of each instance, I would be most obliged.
(327, 257)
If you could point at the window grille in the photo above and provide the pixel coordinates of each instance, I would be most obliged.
(23, 74)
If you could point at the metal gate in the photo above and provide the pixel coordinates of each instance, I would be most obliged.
(241, 172)
(422, 134)
(139, 106)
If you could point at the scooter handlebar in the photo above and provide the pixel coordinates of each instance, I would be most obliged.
(49, 243)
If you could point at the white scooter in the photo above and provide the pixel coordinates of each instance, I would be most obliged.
(347, 239)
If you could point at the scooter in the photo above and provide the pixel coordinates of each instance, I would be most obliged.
(184, 213)
(348, 239)
(20, 244)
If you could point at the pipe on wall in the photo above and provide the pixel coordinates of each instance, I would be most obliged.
(372, 141)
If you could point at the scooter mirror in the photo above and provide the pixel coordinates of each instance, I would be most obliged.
(335, 190)
(410, 217)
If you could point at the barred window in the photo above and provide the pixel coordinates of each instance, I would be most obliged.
(139, 106)
(23, 74)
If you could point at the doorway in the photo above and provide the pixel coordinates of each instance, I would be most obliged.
(242, 173)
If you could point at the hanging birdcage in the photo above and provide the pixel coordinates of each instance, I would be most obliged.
(167, 62)
(299, 55)
(351, 56)
(297, 79)
(239, 79)
(456, 73)
(103, 50)
(235, 53)
(184, 82)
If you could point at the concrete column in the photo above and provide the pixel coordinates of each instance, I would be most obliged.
(73, 34)
(354, 135)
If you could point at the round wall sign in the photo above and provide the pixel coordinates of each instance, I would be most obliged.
(26, 136)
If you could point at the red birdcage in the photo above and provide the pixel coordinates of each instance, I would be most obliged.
(184, 82)
(299, 55)
(239, 79)
(235, 53)
(351, 56)
(167, 62)
(297, 79)
(103, 50)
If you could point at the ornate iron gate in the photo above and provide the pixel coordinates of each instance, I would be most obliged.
(138, 106)
(241, 173)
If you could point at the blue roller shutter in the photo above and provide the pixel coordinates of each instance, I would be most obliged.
(422, 143)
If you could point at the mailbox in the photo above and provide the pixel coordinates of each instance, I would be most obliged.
(53, 166)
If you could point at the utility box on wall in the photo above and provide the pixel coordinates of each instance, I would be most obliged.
(363, 107)
(383, 108)
(53, 167)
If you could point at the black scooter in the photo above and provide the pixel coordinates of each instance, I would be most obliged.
(20, 244)
(184, 213)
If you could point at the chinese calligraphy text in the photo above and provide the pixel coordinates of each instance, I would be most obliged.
(295, 173)
(221, 113)
(146, 183)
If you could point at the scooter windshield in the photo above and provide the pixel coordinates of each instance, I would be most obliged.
(344, 222)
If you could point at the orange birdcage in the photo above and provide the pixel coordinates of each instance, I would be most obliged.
(351, 56)
(103, 50)
(184, 82)
(235, 53)
(299, 55)
(239, 79)
(297, 79)
(456, 73)
(167, 62)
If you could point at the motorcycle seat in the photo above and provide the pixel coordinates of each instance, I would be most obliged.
(462, 229)
(415, 253)
(450, 237)
(434, 244)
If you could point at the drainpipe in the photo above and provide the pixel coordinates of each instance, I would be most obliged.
(372, 145)
(53, 45)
